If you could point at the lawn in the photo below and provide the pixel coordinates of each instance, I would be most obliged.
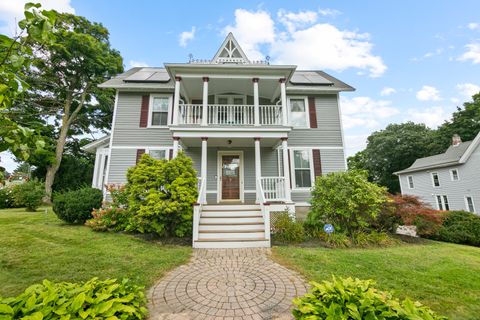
(35, 246)
(444, 276)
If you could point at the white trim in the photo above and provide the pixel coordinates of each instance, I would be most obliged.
(292, 169)
(433, 180)
(303, 204)
(221, 153)
(451, 174)
(341, 129)
(442, 202)
(150, 110)
(412, 185)
(231, 134)
(142, 147)
(470, 149)
(466, 204)
(307, 112)
(115, 107)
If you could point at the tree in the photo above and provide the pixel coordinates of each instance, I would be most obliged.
(393, 149)
(15, 58)
(65, 82)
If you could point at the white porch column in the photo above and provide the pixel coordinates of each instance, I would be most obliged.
(258, 167)
(176, 100)
(256, 102)
(175, 147)
(283, 95)
(96, 169)
(286, 172)
(205, 102)
(203, 168)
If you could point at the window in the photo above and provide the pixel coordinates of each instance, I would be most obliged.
(445, 203)
(469, 203)
(159, 111)
(454, 175)
(436, 181)
(158, 153)
(410, 182)
(439, 203)
(302, 169)
(298, 112)
(442, 202)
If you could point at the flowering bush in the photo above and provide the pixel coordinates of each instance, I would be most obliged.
(6, 198)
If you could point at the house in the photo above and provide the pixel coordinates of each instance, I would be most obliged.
(447, 181)
(258, 134)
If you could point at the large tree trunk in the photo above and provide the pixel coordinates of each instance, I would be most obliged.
(53, 168)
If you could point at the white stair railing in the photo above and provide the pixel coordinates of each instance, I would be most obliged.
(198, 207)
(273, 188)
(265, 209)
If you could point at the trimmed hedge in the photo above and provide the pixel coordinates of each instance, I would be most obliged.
(460, 227)
(77, 206)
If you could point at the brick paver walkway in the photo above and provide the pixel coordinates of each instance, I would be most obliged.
(226, 284)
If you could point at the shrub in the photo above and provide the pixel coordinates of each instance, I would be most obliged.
(359, 239)
(356, 299)
(93, 299)
(28, 194)
(161, 195)
(460, 227)
(347, 200)
(76, 206)
(6, 198)
(286, 230)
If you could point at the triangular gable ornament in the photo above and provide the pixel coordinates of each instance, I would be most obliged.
(230, 52)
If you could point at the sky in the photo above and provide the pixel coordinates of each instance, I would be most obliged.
(408, 60)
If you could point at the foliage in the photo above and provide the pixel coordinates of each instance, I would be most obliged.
(161, 194)
(28, 194)
(94, 299)
(347, 298)
(346, 200)
(358, 239)
(393, 149)
(15, 58)
(286, 230)
(76, 206)
(6, 198)
(460, 227)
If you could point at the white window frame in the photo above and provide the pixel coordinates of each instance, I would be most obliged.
(433, 180)
(467, 206)
(166, 149)
(445, 203)
(150, 110)
(441, 205)
(412, 185)
(292, 169)
(307, 111)
(230, 98)
(451, 174)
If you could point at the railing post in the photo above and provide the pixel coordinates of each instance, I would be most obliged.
(205, 102)
(196, 221)
(256, 101)
(258, 168)
(283, 94)
(176, 100)
(203, 168)
(266, 220)
(286, 173)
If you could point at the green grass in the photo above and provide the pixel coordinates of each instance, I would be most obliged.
(37, 246)
(444, 276)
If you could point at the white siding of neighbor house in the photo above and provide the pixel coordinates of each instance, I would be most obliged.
(467, 185)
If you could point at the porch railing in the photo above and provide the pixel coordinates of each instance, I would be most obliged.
(265, 208)
(197, 208)
(273, 188)
(230, 115)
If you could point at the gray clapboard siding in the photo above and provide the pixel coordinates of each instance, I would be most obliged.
(121, 160)
(333, 160)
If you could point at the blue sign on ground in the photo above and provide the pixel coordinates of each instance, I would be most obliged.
(328, 228)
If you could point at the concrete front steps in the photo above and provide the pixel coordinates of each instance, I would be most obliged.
(231, 226)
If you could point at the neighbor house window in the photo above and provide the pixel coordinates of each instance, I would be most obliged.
(469, 203)
(159, 110)
(439, 203)
(436, 181)
(410, 182)
(302, 169)
(298, 112)
(442, 202)
(454, 174)
(445, 203)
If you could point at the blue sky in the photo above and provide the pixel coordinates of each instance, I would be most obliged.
(408, 60)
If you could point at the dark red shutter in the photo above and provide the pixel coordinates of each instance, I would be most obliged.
(144, 111)
(289, 169)
(170, 154)
(140, 152)
(312, 112)
(317, 162)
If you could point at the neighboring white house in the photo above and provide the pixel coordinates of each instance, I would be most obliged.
(258, 134)
(447, 181)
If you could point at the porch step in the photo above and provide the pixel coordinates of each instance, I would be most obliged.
(243, 213)
(240, 235)
(230, 207)
(231, 220)
(232, 243)
(234, 228)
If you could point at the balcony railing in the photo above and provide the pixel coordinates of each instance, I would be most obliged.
(230, 115)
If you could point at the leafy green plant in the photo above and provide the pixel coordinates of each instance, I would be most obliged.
(28, 194)
(358, 239)
(286, 230)
(76, 206)
(347, 200)
(161, 194)
(460, 227)
(347, 298)
(6, 198)
(94, 299)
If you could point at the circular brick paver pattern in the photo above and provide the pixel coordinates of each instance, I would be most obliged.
(226, 284)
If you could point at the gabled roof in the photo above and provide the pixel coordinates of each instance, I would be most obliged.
(94, 145)
(454, 155)
(230, 52)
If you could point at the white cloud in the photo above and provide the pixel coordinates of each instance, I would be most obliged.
(472, 53)
(304, 42)
(134, 63)
(7, 160)
(355, 143)
(473, 26)
(432, 117)
(186, 36)
(387, 91)
(467, 90)
(365, 112)
(11, 11)
(428, 93)
(329, 12)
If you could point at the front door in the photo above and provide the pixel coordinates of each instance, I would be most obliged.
(230, 176)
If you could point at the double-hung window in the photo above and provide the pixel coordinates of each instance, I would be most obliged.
(298, 112)
(158, 154)
(410, 182)
(454, 175)
(469, 204)
(302, 169)
(435, 179)
(158, 115)
(442, 202)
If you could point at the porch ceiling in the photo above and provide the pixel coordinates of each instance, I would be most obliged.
(229, 143)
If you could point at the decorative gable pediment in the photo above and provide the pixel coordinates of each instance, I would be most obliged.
(230, 52)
